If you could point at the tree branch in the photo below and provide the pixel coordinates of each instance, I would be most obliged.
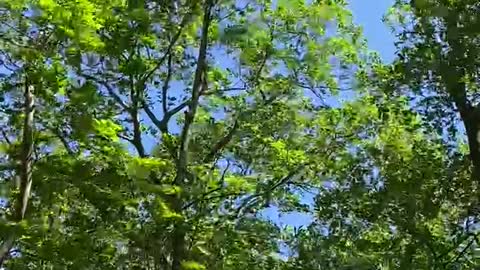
(198, 83)
(5, 136)
(137, 132)
(272, 188)
(59, 135)
(162, 125)
(166, 85)
(222, 143)
(178, 250)
(204, 197)
(462, 253)
(258, 72)
(168, 51)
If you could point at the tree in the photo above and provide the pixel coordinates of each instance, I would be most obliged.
(217, 113)
(410, 202)
(397, 196)
(437, 61)
(444, 42)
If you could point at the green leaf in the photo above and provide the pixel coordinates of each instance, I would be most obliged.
(191, 265)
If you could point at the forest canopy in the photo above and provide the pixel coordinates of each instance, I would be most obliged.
(158, 134)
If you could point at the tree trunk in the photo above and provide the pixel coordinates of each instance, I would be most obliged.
(199, 85)
(24, 171)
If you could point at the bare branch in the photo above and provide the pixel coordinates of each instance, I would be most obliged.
(125, 138)
(162, 125)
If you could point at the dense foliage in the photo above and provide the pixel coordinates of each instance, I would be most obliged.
(154, 134)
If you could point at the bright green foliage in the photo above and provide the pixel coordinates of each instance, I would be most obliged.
(162, 130)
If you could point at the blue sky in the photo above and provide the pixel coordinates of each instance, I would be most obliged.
(368, 14)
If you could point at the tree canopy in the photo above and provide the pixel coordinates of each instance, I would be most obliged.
(155, 134)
